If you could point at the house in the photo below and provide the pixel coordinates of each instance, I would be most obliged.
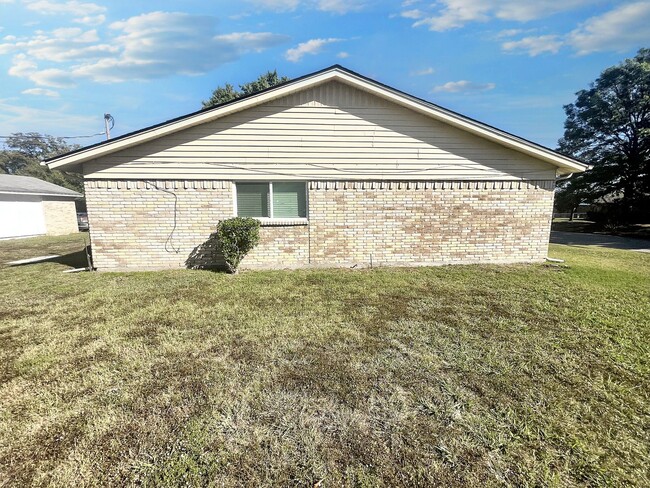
(341, 170)
(33, 207)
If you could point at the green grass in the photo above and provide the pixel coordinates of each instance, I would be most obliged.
(467, 375)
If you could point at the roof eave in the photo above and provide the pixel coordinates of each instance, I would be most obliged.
(41, 194)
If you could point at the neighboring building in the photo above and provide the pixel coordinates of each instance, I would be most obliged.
(33, 207)
(340, 169)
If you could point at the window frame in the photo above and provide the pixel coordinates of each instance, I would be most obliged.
(271, 220)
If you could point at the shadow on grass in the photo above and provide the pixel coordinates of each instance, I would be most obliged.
(77, 259)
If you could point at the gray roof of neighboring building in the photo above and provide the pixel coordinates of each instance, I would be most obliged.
(27, 185)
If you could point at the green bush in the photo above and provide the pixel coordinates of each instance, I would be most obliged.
(237, 236)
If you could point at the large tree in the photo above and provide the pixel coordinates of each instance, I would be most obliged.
(24, 151)
(226, 93)
(608, 127)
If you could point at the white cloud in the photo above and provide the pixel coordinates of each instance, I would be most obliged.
(71, 7)
(453, 14)
(277, 5)
(26, 68)
(76, 34)
(19, 118)
(423, 72)
(249, 41)
(339, 6)
(22, 66)
(84, 13)
(240, 16)
(144, 47)
(524, 11)
(343, 55)
(622, 28)
(66, 44)
(313, 46)
(43, 92)
(412, 14)
(534, 45)
(625, 27)
(90, 19)
(334, 6)
(463, 86)
(508, 33)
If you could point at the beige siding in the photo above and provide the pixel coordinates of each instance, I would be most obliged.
(331, 131)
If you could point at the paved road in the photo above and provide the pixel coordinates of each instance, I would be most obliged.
(600, 240)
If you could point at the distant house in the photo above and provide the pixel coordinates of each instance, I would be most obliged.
(340, 170)
(33, 207)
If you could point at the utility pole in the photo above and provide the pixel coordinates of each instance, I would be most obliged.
(108, 118)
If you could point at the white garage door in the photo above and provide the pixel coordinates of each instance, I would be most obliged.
(21, 216)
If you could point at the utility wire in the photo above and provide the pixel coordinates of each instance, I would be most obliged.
(169, 244)
(54, 137)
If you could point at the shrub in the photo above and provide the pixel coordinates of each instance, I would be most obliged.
(609, 214)
(237, 236)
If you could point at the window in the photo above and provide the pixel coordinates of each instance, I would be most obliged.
(277, 200)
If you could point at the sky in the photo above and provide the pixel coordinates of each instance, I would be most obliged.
(510, 63)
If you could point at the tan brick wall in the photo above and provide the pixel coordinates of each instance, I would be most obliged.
(390, 223)
(429, 223)
(143, 225)
(60, 216)
(280, 247)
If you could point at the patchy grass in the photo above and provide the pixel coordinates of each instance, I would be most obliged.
(466, 375)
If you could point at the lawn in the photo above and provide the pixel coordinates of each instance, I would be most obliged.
(532, 375)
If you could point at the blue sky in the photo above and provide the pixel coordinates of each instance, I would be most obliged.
(509, 63)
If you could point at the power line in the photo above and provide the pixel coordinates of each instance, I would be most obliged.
(54, 137)
(108, 119)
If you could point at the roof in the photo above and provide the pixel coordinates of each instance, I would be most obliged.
(565, 164)
(27, 185)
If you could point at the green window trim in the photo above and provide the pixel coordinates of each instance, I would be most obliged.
(272, 200)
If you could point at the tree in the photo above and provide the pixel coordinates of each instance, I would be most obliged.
(223, 94)
(25, 151)
(608, 126)
(569, 197)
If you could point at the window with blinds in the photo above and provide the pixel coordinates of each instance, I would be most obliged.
(253, 200)
(277, 200)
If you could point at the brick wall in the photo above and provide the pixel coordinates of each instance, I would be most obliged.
(424, 223)
(390, 223)
(60, 216)
(143, 225)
